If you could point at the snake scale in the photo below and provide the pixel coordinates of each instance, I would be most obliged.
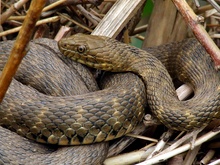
(46, 80)
(120, 105)
(188, 61)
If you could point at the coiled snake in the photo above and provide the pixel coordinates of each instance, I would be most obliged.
(187, 60)
(116, 110)
(44, 68)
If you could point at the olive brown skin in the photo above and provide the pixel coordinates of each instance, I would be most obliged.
(50, 119)
(75, 119)
(188, 61)
(50, 92)
(44, 70)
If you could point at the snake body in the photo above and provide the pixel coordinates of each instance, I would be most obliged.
(188, 61)
(45, 69)
(103, 115)
(69, 120)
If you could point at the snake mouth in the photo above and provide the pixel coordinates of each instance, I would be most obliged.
(101, 66)
(81, 55)
(87, 60)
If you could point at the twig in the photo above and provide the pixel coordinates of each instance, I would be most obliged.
(93, 19)
(3, 38)
(128, 158)
(140, 29)
(62, 32)
(17, 18)
(191, 155)
(217, 162)
(208, 157)
(194, 22)
(140, 37)
(214, 4)
(75, 2)
(5, 4)
(53, 5)
(202, 9)
(184, 91)
(11, 10)
(181, 149)
(43, 21)
(178, 142)
(210, 13)
(197, 3)
(75, 22)
(142, 137)
(19, 49)
(161, 144)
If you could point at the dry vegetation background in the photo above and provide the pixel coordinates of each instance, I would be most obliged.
(165, 24)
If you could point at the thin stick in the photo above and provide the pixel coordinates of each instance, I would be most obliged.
(208, 157)
(142, 137)
(214, 4)
(53, 5)
(140, 29)
(95, 20)
(19, 49)
(11, 10)
(75, 22)
(200, 33)
(165, 156)
(43, 21)
(191, 155)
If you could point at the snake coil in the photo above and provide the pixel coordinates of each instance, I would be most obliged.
(188, 61)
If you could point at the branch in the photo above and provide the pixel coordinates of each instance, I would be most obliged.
(19, 49)
(11, 10)
(200, 33)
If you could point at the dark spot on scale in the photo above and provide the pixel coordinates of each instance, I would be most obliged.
(80, 138)
(134, 50)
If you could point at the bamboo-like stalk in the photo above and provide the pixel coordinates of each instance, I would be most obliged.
(116, 19)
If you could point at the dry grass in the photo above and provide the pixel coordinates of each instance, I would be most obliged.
(58, 20)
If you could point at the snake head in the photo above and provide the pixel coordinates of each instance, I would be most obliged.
(94, 51)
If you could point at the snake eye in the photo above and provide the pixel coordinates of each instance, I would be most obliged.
(81, 48)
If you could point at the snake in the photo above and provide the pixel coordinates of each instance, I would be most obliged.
(86, 118)
(48, 83)
(187, 61)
